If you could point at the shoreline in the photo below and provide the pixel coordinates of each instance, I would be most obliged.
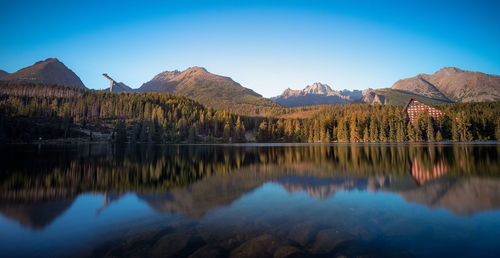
(263, 144)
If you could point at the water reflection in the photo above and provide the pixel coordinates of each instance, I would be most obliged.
(218, 175)
(39, 184)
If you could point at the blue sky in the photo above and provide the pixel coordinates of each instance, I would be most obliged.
(264, 45)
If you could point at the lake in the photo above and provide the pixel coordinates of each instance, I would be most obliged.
(274, 200)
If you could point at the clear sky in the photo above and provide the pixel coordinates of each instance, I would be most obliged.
(264, 45)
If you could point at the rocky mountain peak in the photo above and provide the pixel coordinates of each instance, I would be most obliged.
(49, 60)
(198, 69)
(448, 71)
(166, 76)
(318, 88)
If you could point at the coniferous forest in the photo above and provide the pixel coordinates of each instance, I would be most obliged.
(34, 112)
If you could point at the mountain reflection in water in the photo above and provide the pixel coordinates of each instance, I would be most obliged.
(40, 184)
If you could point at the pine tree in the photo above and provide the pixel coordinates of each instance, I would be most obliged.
(317, 131)
(227, 132)
(355, 137)
(342, 131)
(239, 131)
(439, 136)
(430, 130)
(143, 134)
(373, 131)
(310, 137)
(192, 135)
(382, 133)
(120, 132)
(454, 130)
(497, 130)
(366, 135)
(411, 132)
(400, 133)
(392, 131)
(262, 133)
(418, 134)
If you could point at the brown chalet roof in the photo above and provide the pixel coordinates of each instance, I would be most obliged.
(411, 99)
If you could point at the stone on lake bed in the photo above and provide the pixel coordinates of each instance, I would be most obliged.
(209, 251)
(302, 233)
(327, 240)
(286, 251)
(179, 245)
(261, 246)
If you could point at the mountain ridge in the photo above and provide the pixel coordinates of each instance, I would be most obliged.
(317, 94)
(213, 90)
(48, 71)
(447, 85)
(454, 84)
(3, 73)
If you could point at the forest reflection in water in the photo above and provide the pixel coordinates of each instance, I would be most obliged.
(202, 183)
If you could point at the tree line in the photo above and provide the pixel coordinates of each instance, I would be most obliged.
(388, 123)
(31, 111)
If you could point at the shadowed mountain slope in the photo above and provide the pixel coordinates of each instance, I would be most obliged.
(3, 73)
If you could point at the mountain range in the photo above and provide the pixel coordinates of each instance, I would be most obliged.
(447, 85)
(317, 94)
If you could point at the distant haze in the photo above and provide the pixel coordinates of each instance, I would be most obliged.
(264, 46)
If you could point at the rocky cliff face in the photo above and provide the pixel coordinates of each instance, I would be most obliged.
(49, 71)
(371, 97)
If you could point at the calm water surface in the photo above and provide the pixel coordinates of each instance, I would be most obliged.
(250, 200)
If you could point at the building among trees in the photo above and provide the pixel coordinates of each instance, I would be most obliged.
(414, 107)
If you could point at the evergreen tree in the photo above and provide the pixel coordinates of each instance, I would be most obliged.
(497, 130)
(430, 130)
(355, 137)
(439, 136)
(373, 131)
(454, 131)
(412, 137)
(400, 133)
(262, 133)
(120, 132)
(366, 135)
(192, 135)
(227, 131)
(418, 133)
(342, 131)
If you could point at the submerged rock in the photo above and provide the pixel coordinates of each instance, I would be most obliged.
(327, 240)
(178, 245)
(302, 233)
(261, 246)
(209, 251)
(286, 251)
